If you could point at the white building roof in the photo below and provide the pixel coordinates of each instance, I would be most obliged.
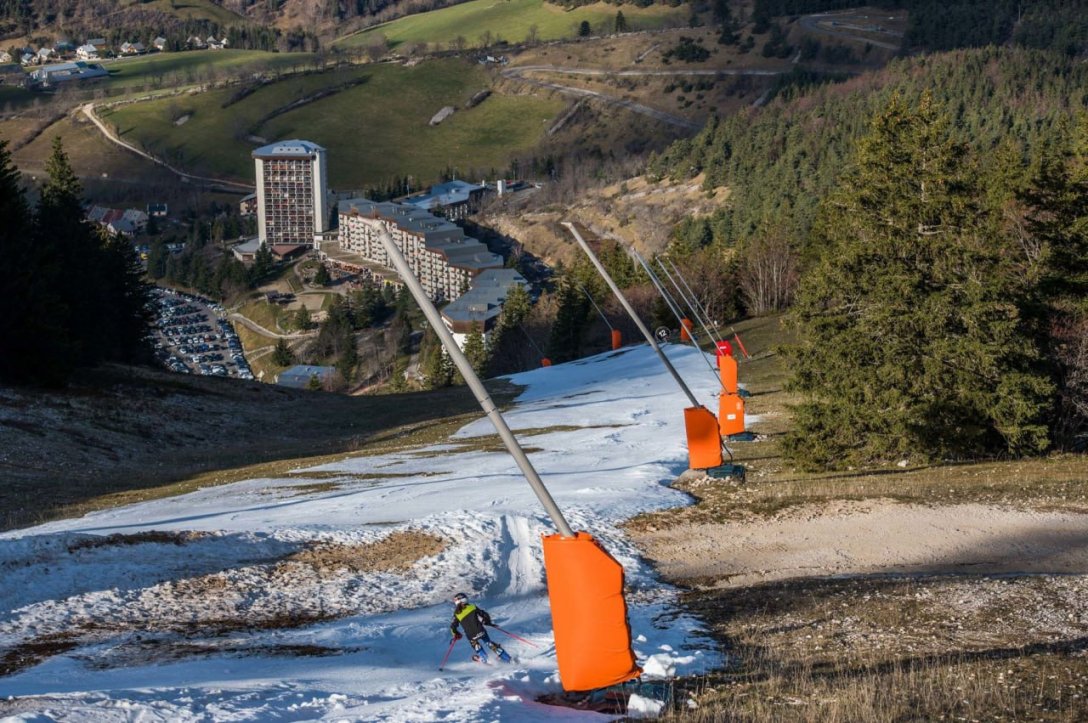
(288, 148)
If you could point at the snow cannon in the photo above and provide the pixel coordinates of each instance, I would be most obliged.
(704, 439)
(730, 415)
(723, 348)
(727, 370)
(589, 613)
(686, 327)
(617, 339)
(585, 583)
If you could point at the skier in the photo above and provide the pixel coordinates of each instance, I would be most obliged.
(473, 620)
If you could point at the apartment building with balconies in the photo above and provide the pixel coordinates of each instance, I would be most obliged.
(292, 192)
(440, 255)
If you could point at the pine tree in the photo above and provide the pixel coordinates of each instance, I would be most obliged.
(571, 315)
(915, 337)
(32, 310)
(476, 349)
(1058, 225)
(620, 23)
(282, 354)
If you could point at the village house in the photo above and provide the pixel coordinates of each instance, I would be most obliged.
(5, 57)
(49, 76)
(196, 42)
(87, 52)
(132, 49)
(159, 44)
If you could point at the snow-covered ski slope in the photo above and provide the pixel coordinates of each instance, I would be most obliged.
(162, 632)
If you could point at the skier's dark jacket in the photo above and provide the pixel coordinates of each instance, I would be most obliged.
(472, 619)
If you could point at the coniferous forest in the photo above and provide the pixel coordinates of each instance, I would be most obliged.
(73, 297)
(938, 212)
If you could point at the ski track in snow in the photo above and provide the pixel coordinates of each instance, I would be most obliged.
(382, 634)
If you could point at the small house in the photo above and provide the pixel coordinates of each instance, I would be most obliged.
(5, 57)
(132, 49)
(159, 43)
(87, 52)
(157, 210)
(196, 42)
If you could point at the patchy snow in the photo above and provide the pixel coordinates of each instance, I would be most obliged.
(223, 625)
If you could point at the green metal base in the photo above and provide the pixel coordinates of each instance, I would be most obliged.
(743, 393)
(741, 437)
(727, 471)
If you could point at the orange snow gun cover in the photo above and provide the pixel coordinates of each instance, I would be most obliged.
(704, 438)
(589, 614)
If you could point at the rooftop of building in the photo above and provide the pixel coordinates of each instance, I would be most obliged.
(299, 376)
(440, 235)
(444, 194)
(484, 300)
(288, 149)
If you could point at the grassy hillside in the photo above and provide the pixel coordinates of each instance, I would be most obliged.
(510, 20)
(170, 69)
(373, 130)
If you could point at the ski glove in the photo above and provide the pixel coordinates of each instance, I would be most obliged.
(457, 636)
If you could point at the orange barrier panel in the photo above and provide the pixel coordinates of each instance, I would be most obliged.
(685, 329)
(704, 440)
(589, 614)
(545, 362)
(730, 414)
(727, 368)
(617, 339)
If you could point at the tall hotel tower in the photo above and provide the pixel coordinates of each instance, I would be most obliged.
(292, 203)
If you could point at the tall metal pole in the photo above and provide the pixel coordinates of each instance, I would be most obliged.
(630, 311)
(669, 301)
(694, 300)
(690, 302)
(590, 297)
(676, 310)
(473, 381)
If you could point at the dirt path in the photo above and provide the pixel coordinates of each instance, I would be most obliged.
(847, 539)
(254, 326)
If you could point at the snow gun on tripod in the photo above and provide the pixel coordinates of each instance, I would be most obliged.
(585, 583)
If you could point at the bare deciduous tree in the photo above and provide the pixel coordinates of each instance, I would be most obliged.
(768, 272)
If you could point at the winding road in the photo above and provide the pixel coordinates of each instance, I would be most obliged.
(88, 110)
(811, 23)
(520, 73)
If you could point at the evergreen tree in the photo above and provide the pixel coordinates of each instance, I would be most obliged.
(915, 336)
(321, 277)
(476, 349)
(32, 310)
(584, 30)
(263, 263)
(1058, 225)
(282, 354)
(620, 23)
(436, 365)
(571, 316)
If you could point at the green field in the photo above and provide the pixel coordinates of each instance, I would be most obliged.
(373, 131)
(192, 66)
(510, 20)
(14, 95)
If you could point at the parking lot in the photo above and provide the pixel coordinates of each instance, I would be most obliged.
(193, 337)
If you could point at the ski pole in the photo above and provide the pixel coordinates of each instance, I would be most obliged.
(447, 657)
(515, 637)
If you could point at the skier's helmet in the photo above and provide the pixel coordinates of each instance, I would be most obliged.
(460, 599)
